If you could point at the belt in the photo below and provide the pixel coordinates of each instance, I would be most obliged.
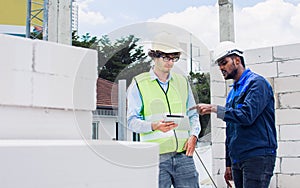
(173, 153)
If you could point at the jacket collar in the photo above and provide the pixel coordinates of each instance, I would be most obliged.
(154, 77)
(242, 79)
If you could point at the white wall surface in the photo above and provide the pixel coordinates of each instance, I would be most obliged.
(77, 164)
(107, 127)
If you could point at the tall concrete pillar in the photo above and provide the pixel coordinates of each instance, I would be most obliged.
(122, 123)
(60, 21)
(226, 20)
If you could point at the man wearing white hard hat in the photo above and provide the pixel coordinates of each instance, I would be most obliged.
(250, 121)
(158, 103)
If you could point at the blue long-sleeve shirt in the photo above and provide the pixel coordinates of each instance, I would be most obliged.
(134, 103)
(250, 119)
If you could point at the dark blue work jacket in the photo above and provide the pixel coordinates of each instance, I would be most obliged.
(250, 119)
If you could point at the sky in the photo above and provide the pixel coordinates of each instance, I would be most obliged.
(257, 23)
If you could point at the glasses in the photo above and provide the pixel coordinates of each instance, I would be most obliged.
(167, 58)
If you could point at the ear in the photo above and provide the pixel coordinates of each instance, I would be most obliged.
(237, 60)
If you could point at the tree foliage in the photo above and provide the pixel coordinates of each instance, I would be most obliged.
(122, 59)
(85, 41)
(200, 83)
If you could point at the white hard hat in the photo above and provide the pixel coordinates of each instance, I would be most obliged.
(166, 43)
(227, 48)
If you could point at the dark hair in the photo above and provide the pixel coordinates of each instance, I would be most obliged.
(154, 53)
(241, 58)
(158, 53)
(242, 61)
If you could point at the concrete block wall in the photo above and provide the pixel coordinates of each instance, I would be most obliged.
(46, 85)
(77, 164)
(281, 66)
(48, 93)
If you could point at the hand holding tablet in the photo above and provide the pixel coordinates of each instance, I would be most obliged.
(182, 121)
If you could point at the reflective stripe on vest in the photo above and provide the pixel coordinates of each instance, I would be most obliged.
(156, 103)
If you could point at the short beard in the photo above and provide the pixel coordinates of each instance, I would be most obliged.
(232, 74)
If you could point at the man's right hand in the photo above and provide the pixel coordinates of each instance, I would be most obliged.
(228, 176)
(163, 126)
(204, 108)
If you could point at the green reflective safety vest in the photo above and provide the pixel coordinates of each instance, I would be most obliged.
(156, 103)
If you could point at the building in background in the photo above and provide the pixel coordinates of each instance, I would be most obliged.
(105, 116)
(74, 16)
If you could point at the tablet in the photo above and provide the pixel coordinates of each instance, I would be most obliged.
(182, 121)
(173, 118)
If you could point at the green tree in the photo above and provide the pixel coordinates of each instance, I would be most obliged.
(200, 83)
(122, 59)
(85, 41)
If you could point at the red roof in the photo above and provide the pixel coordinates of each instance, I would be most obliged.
(107, 94)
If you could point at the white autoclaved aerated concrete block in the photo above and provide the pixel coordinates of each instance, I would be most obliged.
(78, 164)
(87, 65)
(16, 88)
(16, 53)
(218, 150)
(284, 52)
(290, 100)
(52, 91)
(288, 180)
(218, 100)
(64, 60)
(65, 76)
(289, 68)
(287, 116)
(260, 55)
(56, 91)
(40, 123)
(265, 69)
(218, 134)
(290, 133)
(84, 94)
(287, 84)
(290, 166)
(84, 121)
(218, 166)
(216, 123)
(289, 149)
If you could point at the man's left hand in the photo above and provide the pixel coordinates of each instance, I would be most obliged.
(190, 145)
